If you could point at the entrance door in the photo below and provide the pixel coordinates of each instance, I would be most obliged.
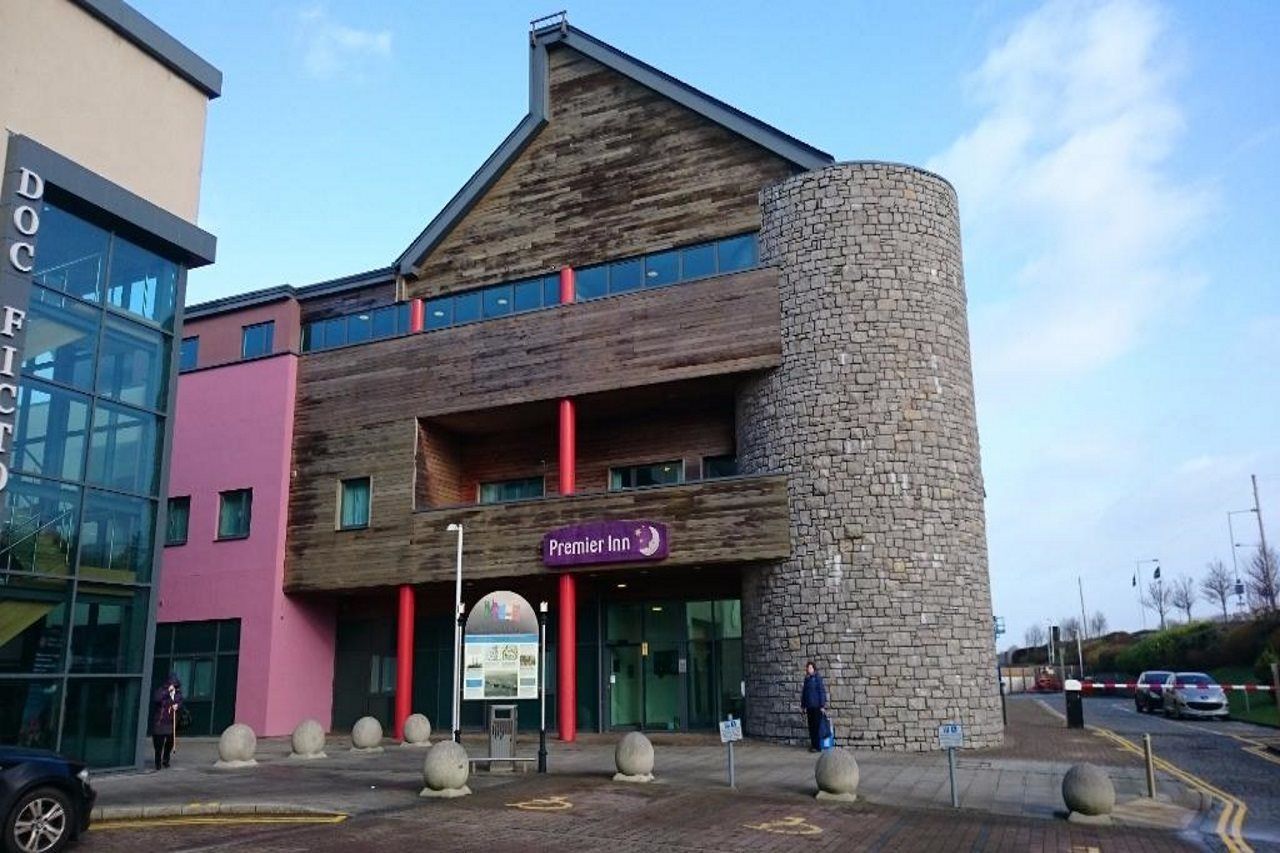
(626, 687)
(665, 666)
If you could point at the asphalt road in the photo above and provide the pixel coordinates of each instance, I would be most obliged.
(1225, 754)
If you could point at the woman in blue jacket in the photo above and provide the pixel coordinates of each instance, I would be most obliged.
(813, 701)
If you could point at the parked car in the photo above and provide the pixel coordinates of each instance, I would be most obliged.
(45, 800)
(1194, 694)
(1149, 694)
(1048, 680)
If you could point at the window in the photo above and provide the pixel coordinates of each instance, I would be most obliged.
(72, 256)
(359, 327)
(592, 282)
(384, 322)
(551, 290)
(177, 520)
(502, 491)
(737, 253)
(133, 364)
(256, 340)
(382, 674)
(116, 537)
(625, 276)
(142, 283)
(639, 476)
(661, 268)
(439, 313)
(353, 503)
(466, 307)
(62, 339)
(234, 509)
(189, 354)
(698, 261)
(719, 466)
(497, 300)
(52, 431)
(528, 295)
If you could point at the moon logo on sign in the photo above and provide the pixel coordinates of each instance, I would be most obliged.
(650, 540)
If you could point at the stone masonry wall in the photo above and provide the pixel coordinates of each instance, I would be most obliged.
(871, 416)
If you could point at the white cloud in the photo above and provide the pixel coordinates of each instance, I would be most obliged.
(331, 49)
(1067, 175)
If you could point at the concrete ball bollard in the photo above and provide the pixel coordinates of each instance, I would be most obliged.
(236, 747)
(308, 740)
(366, 736)
(837, 775)
(445, 771)
(634, 759)
(417, 731)
(1089, 795)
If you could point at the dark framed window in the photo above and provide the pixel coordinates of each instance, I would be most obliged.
(257, 340)
(133, 364)
(551, 290)
(52, 431)
(189, 353)
(661, 268)
(625, 276)
(142, 283)
(177, 520)
(719, 466)
(234, 511)
(591, 282)
(736, 253)
(527, 295)
(502, 491)
(384, 322)
(439, 313)
(466, 307)
(359, 327)
(62, 339)
(698, 261)
(353, 503)
(648, 474)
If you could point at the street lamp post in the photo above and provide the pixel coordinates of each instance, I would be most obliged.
(1137, 572)
(1235, 563)
(457, 639)
(542, 685)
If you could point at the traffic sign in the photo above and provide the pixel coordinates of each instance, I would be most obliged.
(730, 730)
(951, 736)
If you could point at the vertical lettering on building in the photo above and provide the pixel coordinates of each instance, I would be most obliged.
(23, 202)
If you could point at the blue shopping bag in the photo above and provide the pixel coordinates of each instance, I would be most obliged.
(826, 733)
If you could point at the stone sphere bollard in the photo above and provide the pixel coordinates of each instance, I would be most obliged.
(1089, 794)
(837, 775)
(308, 740)
(445, 771)
(236, 747)
(634, 758)
(417, 731)
(366, 736)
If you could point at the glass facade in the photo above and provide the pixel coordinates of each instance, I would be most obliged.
(78, 517)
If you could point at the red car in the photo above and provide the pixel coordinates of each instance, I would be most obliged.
(1048, 680)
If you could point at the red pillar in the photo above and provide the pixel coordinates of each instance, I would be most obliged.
(417, 315)
(568, 634)
(404, 661)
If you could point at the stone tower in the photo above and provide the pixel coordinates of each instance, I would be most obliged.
(871, 416)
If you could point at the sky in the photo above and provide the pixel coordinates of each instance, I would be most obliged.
(1120, 202)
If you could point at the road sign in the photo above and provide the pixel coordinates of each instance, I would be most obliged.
(730, 730)
(951, 736)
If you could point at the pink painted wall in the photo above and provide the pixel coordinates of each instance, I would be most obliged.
(222, 334)
(234, 430)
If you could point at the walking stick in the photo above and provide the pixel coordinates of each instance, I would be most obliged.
(174, 714)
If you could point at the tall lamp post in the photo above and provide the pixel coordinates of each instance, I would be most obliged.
(1235, 563)
(1137, 581)
(542, 687)
(457, 639)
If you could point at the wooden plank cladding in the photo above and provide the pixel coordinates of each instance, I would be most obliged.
(618, 170)
(726, 324)
(737, 519)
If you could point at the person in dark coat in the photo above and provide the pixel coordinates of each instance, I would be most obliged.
(813, 701)
(165, 703)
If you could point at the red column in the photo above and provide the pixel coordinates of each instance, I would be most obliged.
(417, 315)
(568, 635)
(404, 661)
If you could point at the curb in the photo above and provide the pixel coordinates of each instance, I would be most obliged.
(108, 814)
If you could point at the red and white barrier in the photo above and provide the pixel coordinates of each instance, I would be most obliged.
(1086, 686)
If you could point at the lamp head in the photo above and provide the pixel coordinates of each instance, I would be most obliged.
(454, 528)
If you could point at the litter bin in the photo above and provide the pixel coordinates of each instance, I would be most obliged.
(502, 734)
(1075, 704)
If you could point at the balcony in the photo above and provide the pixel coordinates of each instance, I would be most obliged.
(709, 522)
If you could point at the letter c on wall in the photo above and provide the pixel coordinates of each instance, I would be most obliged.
(11, 407)
(18, 248)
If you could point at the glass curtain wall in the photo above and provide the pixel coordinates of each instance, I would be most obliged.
(78, 518)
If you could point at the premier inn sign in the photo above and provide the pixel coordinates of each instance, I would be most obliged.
(23, 191)
(605, 542)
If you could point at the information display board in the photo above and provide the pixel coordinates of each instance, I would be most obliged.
(500, 649)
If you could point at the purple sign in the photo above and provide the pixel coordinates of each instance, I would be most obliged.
(605, 542)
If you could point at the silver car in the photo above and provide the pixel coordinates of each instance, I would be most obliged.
(1194, 694)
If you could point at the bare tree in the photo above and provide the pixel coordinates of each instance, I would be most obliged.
(1034, 636)
(1263, 579)
(1070, 628)
(1216, 585)
(1098, 623)
(1158, 598)
(1182, 594)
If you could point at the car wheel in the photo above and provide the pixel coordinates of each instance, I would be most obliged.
(43, 821)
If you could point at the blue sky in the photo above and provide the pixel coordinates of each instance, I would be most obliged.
(1116, 164)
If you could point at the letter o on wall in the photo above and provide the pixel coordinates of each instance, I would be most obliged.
(26, 220)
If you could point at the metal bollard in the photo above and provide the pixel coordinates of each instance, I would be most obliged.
(1151, 766)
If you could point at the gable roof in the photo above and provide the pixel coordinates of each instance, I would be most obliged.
(766, 136)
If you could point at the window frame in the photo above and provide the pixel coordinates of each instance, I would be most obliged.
(541, 479)
(194, 340)
(718, 456)
(678, 463)
(368, 518)
(248, 515)
(186, 526)
(270, 340)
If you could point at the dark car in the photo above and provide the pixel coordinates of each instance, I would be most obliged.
(1149, 694)
(1105, 684)
(45, 800)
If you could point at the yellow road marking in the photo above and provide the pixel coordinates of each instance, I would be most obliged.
(786, 826)
(214, 820)
(543, 804)
(1230, 821)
